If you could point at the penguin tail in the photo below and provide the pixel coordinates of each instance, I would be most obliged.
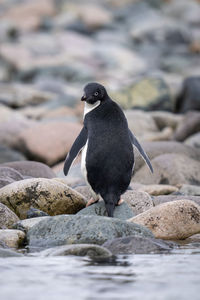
(110, 203)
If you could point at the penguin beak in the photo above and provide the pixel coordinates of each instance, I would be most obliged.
(83, 98)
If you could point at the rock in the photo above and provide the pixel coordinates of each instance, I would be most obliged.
(140, 123)
(172, 220)
(85, 191)
(65, 229)
(170, 169)
(136, 245)
(25, 225)
(193, 141)
(47, 195)
(10, 172)
(166, 119)
(37, 144)
(158, 189)
(9, 155)
(93, 251)
(154, 149)
(122, 212)
(10, 130)
(192, 190)
(149, 93)
(9, 253)
(27, 15)
(189, 126)
(18, 95)
(5, 181)
(31, 169)
(12, 238)
(170, 198)
(35, 213)
(188, 98)
(138, 201)
(7, 217)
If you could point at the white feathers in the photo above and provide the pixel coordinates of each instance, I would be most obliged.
(89, 107)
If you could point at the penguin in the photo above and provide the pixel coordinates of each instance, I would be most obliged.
(106, 142)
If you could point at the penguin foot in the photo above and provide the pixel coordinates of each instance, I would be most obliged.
(120, 202)
(91, 201)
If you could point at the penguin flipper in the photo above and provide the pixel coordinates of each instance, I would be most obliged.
(135, 143)
(75, 149)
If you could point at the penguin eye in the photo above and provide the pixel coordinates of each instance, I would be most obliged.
(96, 93)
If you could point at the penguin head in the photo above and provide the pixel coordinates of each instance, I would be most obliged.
(94, 92)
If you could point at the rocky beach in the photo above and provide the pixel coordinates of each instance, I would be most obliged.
(147, 55)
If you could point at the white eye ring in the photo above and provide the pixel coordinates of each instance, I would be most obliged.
(96, 93)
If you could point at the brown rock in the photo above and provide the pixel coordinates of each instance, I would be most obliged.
(172, 220)
(158, 189)
(170, 169)
(138, 201)
(12, 238)
(48, 195)
(166, 119)
(7, 217)
(49, 142)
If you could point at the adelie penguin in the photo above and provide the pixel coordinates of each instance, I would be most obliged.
(107, 148)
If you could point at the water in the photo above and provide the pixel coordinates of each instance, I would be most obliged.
(172, 276)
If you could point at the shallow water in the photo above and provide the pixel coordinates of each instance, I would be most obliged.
(172, 276)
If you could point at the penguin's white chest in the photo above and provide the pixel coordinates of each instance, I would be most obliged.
(83, 160)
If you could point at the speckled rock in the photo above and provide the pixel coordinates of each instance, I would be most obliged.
(93, 251)
(12, 238)
(26, 224)
(172, 220)
(136, 245)
(137, 201)
(47, 195)
(31, 169)
(122, 212)
(7, 217)
(170, 169)
(65, 229)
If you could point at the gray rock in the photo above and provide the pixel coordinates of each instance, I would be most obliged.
(31, 169)
(166, 119)
(93, 251)
(65, 229)
(136, 245)
(35, 213)
(11, 173)
(5, 181)
(8, 155)
(193, 141)
(168, 198)
(170, 169)
(26, 224)
(122, 212)
(9, 253)
(7, 217)
(154, 149)
(187, 189)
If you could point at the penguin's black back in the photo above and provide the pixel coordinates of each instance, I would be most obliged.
(109, 158)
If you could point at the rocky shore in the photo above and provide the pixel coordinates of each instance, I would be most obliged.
(147, 55)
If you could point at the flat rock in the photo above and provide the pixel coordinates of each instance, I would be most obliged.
(7, 217)
(47, 195)
(65, 229)
(9, 253)
(192, 190)
(170, 169)
(12, 238)
(169, 198)
(36, 141)
(93, 251)
(172, 220)
(31, 169)
(154, 149)
(136, 245)
(138, 201)
(122, 212)
(158, 189)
